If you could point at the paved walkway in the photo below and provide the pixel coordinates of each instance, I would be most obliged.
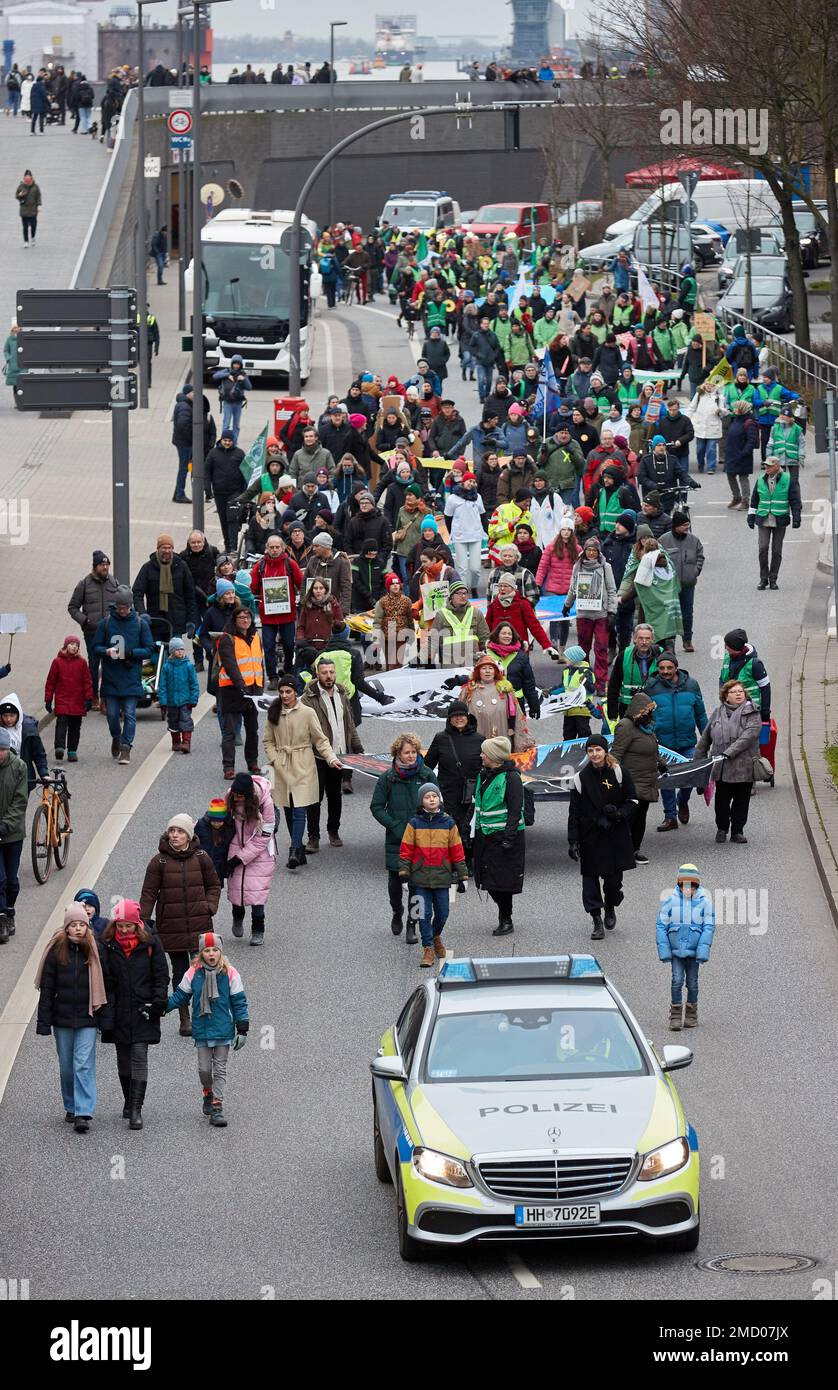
(814, 726)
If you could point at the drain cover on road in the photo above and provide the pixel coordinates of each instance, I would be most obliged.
(757, 1264)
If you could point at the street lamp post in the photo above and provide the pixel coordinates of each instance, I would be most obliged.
(182, 240)
(197, 273)
(335, 24)
(141, 247)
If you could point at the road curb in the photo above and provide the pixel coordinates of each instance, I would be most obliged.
(801, 761)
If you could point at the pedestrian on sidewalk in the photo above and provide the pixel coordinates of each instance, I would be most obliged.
(123, 640)
(13, 86)
(432, 858)
(159, 249)
(200, 559)
(603, 805)
(164, 588)
(14, 794)
(251, 855)
(684, 930)
(38, 105)
(499, 829)
(291, 739)
(223, 482)
(395, 800)
(240, 677)
(213, 987)
(137, 983)
(233, 386)
(182, 439)
(11, 370)
(25, 738)
(732, 735)
(70, 689)
(182, 889)
(28, 195)
(72, 995)
(89, 603)
(775, 501)
(86, 98)
(331, 703)
(178, 694)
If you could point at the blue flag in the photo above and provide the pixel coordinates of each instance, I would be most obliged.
(549, 395)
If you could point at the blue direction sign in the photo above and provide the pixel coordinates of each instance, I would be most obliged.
(180, 142)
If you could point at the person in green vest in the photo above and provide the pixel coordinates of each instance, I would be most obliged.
(769, 398)
(657, 587)
(499, 838)
(662, 335)
(624, 313)
(688, 292)
(679, 331)
(546, 328)
(577, 675)
(740, 389)
(599, 326)
(775, 501)
(610, 496)
(635, 665)
(459, 629)
(627, 389)
(520, 348)
(602, 394)
(742, 663)
(787, 442)
(502, 329)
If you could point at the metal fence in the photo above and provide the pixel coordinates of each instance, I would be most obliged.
(120, 169)
(793, 363)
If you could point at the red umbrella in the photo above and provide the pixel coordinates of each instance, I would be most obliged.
(667, 172)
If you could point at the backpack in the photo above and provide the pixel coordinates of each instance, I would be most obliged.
(13, 82)
(327, 266)
(232, 392)
(85, 95)
(745, 356)
(529, 805)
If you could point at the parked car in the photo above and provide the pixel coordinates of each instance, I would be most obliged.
(708, 247)
(643, 244)
(578, 213)
(814, 242)
(771, 301)
(520, 218)
(770, 245)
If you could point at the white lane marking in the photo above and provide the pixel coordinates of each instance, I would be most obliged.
(330, 359)
(525, 1276)
(16, 1016)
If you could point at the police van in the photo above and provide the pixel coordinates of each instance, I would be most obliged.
(421, 210)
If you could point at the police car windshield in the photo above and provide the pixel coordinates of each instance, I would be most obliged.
(532, 1044)
(410, 214)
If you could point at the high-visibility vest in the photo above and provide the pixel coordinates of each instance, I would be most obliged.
(633, 678)
(572, 678)
(622, 315)
(628, 393)
(767, 401)
(504, 520)
(248, 660)
(504, 662)
(490, 806)
(343, 669)
(785, 443)
(773, 502)
(745, 677)
(608, 513)
(459, 629)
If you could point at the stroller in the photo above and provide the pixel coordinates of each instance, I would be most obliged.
(161, 631)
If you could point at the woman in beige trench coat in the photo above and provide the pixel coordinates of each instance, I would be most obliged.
(291, 738)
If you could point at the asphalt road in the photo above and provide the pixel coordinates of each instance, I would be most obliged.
(297, 1210)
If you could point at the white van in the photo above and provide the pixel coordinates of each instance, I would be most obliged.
(731, 202)
(665, 197)
(421, 210)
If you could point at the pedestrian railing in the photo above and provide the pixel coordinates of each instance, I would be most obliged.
(793, 363)
(120, 168)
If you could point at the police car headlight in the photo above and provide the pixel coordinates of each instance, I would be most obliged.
(440, 1168)
(667, 1159)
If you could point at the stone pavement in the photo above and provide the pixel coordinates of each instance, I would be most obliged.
(813, 726)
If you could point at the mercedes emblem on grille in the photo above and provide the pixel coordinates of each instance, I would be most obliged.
(554, 1134)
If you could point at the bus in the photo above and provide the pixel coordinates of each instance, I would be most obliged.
(245, 272)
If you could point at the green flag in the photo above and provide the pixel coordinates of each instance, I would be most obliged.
(254, 460)
(421, 248)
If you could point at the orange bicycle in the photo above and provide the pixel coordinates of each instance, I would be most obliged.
(51, 826)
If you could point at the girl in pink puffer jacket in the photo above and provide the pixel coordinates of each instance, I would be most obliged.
(251, 857)
(554, 570)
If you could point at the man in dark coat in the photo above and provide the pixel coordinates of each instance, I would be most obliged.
(603, 804)
(339, 437)
(89, 604)
(447, 428)
(123, 640)
(455, 755)
(164, 588)
(223, 482)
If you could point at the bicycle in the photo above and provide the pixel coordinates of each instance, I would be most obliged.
(51, 826)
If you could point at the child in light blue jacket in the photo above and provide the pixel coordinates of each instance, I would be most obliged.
(178, 694)
(685, 927)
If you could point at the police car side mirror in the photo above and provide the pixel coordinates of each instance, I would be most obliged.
(676, 1057)
(392, 1068)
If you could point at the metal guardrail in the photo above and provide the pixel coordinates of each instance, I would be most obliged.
(220, 97)
(793, 363)
(120, 167)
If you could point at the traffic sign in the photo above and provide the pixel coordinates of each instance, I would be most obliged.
(179, 121)
(180, 142)
(152, 166)
(69, 308)
(74, 391)
(74, 349)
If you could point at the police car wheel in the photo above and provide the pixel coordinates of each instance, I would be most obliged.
(382, 1172)
(410, 1250)
(687, 1240)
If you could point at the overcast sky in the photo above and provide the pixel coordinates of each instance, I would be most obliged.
(438, 17)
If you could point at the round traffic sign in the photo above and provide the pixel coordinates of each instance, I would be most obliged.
(180, 122)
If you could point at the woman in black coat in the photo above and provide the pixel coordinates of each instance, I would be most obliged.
(603, 805)
(71, 1002)
(499, 830)
(137, 982)
(454, 754)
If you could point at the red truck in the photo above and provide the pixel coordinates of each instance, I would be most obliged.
(521, 218)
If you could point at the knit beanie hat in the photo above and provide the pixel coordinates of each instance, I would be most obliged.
(469, 477)
(370, 547)
(596, 741)
(100, 558)
(242, 578)
(73, 637)
(217, 809)
(223, 586)
(658, 439)
(182, 822)
(127, 910)
(592, 543)
(498, 748)
(364, 496)
(176, 644)
(574, 655)
(668, 655)
(688, 871)
(585, 514)
(414, 489)
(653, 496)
(242, 784)
(123, 595)
(457, 587)
(679, 518)
(457, 707)
(323, 538)
(74, 912)
(429, 524)
(644, 532)
(164, 539)
(210, 940)
(628, 518)
(523, 495)
(737, 638)
(428, 787)
(391, 579)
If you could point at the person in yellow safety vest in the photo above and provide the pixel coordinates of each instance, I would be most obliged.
(512, 657)
(577, 722)
(153, 338)
(240, 676)
(458, 631)
(508, 516)
(775, 501)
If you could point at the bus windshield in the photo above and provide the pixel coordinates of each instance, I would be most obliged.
(247, 280)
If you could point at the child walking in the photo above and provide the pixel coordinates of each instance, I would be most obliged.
(220, 1020)
(70, 688)
(685, 927)
(178, 694)
(577, 720)
(431, 857)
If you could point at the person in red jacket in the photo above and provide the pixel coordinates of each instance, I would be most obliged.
(320, 616)
(277, 608)
(70, 689)
(509, 607)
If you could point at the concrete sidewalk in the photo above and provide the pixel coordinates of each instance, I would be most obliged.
(813, 726)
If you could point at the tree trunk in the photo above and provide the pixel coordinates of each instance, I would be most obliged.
(798, 283)
(832, 233)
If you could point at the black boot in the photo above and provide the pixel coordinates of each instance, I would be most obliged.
(396, 924)
(410, 936)
(503, 928)
(293, 861)
(137, 1096)
(4, 930)
(597, 934)
(610, 919)
(125, 1083)
(185, 1029)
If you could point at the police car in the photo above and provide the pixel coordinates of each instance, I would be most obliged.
(517, 1099)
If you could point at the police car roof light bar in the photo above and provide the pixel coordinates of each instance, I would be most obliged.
(520, 969)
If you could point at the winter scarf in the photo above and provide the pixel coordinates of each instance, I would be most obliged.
(166, 586)
(127, 941)
(405, 772)
(209, 990)
(96, 984)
